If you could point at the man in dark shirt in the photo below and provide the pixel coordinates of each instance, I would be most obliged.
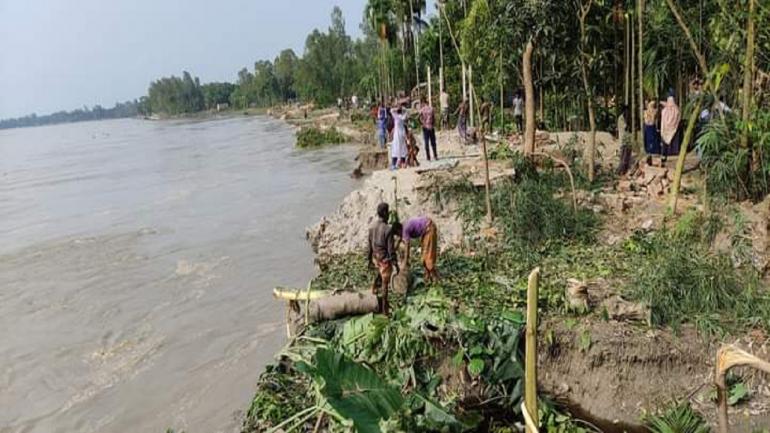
(382, 254)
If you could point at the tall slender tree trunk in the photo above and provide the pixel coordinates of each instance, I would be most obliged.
(591, 148)
(414, 43)
(641, 69)
(627, 54)
(471, 96)
(632, 82)
(403, 59)
(529, 100)
(502, 95)
(748, 76)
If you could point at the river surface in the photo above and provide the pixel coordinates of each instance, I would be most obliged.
(137, 263)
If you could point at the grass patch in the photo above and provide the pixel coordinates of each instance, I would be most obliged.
(680, 278)
(310, 137)
(532, 210)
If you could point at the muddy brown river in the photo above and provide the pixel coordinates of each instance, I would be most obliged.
(136, 267)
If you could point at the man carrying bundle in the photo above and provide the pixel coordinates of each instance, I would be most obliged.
(382, 255)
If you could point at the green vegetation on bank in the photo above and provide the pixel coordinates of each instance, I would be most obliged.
(310, 137)
(449, 358)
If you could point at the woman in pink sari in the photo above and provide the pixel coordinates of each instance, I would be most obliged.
(669, 128)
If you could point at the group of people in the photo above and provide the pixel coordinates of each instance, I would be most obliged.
(392, 126)
(485, 112)
(662, 125)
(661, 129)
(347, 103)
(384, 236)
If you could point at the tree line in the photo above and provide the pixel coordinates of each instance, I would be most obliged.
(97, 112)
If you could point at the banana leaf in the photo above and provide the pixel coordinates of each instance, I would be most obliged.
(355, 392)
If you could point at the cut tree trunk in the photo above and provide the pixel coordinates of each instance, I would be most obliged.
(529, 100)
(345, 304)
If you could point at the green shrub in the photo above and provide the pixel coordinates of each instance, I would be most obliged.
(309, 137)
(683, 282)
(680, 418)
(728, 168)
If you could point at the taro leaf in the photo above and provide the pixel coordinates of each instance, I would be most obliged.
(738, 393)
(476, 367)
(436, 415)
(355, 392)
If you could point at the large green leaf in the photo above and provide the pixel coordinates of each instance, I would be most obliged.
(353, 391)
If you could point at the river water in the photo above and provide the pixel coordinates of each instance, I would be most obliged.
(136, 267)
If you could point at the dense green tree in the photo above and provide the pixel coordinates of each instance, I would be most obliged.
(285, 68)
(174, 95)
(216, 93)
(326, 69)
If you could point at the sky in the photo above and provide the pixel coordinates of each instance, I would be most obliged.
(63, 54)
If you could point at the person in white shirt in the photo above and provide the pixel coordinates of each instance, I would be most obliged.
(518, 110)
(398, 145)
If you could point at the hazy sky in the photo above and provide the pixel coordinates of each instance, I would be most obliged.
(63, 54)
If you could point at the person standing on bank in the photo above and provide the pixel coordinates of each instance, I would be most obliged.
(444, 105)
(427, 119)
(398, 148)
(518, 111)
(670, 117)
(382, 125)
(651, 132)
(381, 255)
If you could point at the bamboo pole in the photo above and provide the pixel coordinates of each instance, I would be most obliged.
(748, 77)
(440, 51)
(530, 382)
(465, 84)
(632, 81)
(640, 42)
(430, 89)
(470, 93)
(502, 95)
(487, 188)
(627, 57)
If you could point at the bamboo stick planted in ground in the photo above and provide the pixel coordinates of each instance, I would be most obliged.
(530, 383)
